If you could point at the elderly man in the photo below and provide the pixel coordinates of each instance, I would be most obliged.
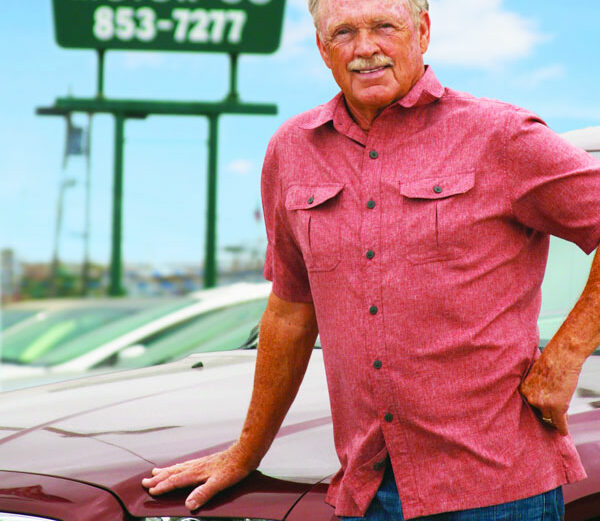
(409, 224)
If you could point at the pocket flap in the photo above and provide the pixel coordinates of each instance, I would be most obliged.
(438, 187)
(302, 197)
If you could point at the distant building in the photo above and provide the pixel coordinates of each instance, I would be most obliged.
(9, 283)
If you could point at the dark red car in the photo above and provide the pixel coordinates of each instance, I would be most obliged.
(77, 451)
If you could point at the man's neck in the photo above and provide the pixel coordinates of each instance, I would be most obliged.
(363, 118)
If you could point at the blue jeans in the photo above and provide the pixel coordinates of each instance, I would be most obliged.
(544, 507)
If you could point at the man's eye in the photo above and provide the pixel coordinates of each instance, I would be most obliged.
(340, 33)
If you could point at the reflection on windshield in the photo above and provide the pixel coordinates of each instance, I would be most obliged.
(96, 337)
(219, 330)
(9, 317)
(52, 329)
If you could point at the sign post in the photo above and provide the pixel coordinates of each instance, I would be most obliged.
(230, 26)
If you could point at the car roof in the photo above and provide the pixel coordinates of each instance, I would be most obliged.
(586, 138)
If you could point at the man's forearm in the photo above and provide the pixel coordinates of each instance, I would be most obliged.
(553, 378)
(287, 336)
(579, 335)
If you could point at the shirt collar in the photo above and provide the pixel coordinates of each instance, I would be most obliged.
(323, 113)
(427, 90)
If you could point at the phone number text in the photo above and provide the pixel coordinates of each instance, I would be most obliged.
(126, 24)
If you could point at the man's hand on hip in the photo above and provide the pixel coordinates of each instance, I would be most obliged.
(552, 380)
(550, 384)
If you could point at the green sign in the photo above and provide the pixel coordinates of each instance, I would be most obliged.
(233, 26)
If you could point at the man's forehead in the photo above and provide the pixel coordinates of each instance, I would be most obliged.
(335, 11)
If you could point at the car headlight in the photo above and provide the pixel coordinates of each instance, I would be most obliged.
(20, 517)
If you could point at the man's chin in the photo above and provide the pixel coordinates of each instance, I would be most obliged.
(375, 97)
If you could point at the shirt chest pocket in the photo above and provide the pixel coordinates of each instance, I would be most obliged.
(314, 215)
(435, 214)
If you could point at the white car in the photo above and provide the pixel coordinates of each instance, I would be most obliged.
(215, 319)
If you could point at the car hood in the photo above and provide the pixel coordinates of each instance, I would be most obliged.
(112, 429)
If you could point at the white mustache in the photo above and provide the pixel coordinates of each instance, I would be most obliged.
(374, 62)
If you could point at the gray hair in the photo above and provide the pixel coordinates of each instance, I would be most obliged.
(416, 6)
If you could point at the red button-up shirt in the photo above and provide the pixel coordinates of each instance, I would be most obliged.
(422, 244)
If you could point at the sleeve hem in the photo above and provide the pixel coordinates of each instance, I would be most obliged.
(592, 241)
(285, 293)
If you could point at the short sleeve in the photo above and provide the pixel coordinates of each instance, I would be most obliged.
(554, 187)
(284, 263)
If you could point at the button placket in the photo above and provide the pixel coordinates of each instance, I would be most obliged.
(370, 240)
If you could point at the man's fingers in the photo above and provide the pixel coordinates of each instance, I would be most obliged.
(167, 481)
(558, 420)
(203, 493)
(149, 482)
(152, 482)
(158, 475)
(213, 473)
(561, 424)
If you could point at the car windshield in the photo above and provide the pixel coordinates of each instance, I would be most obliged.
(10, 317)
(218, 330)
(96, 337)
(51, 329)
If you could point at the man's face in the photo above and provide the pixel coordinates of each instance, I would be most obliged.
(373, 49)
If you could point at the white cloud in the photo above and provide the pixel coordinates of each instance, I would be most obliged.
(298, 32)
(569, 111)
(479, 34)
(533, 79)
(240, 166)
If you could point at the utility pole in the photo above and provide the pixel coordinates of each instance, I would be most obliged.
(85, 268)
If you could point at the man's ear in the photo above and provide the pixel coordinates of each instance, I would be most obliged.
(424, 31)
(323, 51)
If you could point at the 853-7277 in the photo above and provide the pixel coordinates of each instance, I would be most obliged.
(186, 25)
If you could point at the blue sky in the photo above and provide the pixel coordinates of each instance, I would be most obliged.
(540, 54)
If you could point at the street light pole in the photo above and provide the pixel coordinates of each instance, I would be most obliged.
(115, 288)
(210, 257)
(85, 270)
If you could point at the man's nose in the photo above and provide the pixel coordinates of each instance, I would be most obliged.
(366, 44)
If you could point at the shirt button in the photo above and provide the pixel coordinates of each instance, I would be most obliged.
(311, 200)
(437, 189)
(370, 254)
(388, 417)
(373, 310)
(377, 364)
(370, 204)
(373, 154)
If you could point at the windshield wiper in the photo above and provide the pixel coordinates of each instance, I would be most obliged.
(252, 340)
